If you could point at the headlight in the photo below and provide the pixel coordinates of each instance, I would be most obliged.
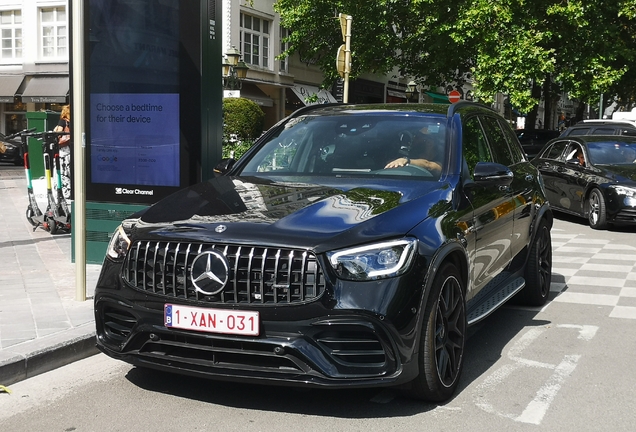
(376, 261)
(118, 245)
(626, 191)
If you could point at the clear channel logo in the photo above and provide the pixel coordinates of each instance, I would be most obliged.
(126, 191)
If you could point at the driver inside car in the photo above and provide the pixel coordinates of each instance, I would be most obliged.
(423, 153)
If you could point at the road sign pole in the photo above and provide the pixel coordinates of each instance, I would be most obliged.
(345, 27)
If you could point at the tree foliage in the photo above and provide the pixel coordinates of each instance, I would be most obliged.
(583, 47)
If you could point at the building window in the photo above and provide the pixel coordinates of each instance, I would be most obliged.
(255, 41)
(54, 32)
(11, 29)
(284, 62)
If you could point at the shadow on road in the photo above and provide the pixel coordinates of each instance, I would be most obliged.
(485, 346)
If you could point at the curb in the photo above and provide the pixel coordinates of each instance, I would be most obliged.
(43, 355)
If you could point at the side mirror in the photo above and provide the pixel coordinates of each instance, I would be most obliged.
(492, 174)
(224, 166)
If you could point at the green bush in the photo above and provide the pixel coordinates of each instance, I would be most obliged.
(243, 122)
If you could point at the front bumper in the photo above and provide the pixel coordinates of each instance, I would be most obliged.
(320, 343)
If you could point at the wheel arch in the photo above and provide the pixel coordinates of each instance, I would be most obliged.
(451, 252)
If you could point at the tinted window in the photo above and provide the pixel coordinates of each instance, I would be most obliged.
(340, 145)
(555, 151)
(475, 145)
(612, 153)
(579, 131)
(603, 131)
(499, 144)
(518, 154)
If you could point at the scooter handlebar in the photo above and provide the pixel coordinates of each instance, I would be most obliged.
(22, 132)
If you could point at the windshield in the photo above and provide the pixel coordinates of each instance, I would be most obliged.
(354, 145)
(612, 152)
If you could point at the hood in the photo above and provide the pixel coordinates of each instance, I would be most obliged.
(620, 173)
(253, 210)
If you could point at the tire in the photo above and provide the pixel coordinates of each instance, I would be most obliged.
(442, 338)
(538, 273)
(52, 226)
(29, 216)
(597, 215)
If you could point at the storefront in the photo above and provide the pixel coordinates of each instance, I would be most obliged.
(20, 93)
(301, 95)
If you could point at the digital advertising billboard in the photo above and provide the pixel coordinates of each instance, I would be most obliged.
(143, 99)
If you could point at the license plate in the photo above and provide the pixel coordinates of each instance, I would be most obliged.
(211, 320)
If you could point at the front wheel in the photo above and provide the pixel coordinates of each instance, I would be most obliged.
(52, 225)
(597, 215)
(442, 339)
(29, 216)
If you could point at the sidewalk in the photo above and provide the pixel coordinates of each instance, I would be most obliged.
(42, 325)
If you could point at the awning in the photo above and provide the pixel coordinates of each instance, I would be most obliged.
(304, 91)
(253, 93)
(438, 97)
(46, 90)
(9, 85)
(395, 93)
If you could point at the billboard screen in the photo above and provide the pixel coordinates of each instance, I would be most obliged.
(143, 102)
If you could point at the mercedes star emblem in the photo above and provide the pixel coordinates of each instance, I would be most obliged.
(210, 272)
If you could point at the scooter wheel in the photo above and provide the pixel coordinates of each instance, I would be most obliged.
(52, 226)
(29, 216)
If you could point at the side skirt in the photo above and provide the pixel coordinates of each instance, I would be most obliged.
(489, 304)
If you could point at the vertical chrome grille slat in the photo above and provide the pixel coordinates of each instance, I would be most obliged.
(174, 264)
(164, 269)
(257, 275)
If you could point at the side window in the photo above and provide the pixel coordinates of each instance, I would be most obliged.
(518, 155)
(603, 131)
(474, 144)
(580, 131)
(556, 150)
(498, 142)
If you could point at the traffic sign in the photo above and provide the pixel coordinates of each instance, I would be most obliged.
(454, 96)
(341, 60)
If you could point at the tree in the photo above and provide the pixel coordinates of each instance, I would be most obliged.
(583, 47)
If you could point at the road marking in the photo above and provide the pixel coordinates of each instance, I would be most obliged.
(536, 409)
(589, 299)
(623, 312)
(596, 281)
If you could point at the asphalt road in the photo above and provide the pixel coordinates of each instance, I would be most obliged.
(568, 366)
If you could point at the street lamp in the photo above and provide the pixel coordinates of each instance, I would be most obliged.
(411, 92)
(234, 70)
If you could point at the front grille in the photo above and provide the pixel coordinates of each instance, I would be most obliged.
(257, 275)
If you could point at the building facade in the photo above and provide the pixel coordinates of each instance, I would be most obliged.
(35, 50)
(34, 60)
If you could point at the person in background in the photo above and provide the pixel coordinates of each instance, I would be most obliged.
(580, 156)
(65, 150)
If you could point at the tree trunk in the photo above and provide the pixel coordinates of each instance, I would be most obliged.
(548, 116)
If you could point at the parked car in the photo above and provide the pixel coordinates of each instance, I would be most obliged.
(13, 151)
(311, 262)
(601, 127)
(603, 189)
(533, 140)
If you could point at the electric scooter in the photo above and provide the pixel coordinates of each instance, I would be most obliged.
(57, 215)
(33, 213)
